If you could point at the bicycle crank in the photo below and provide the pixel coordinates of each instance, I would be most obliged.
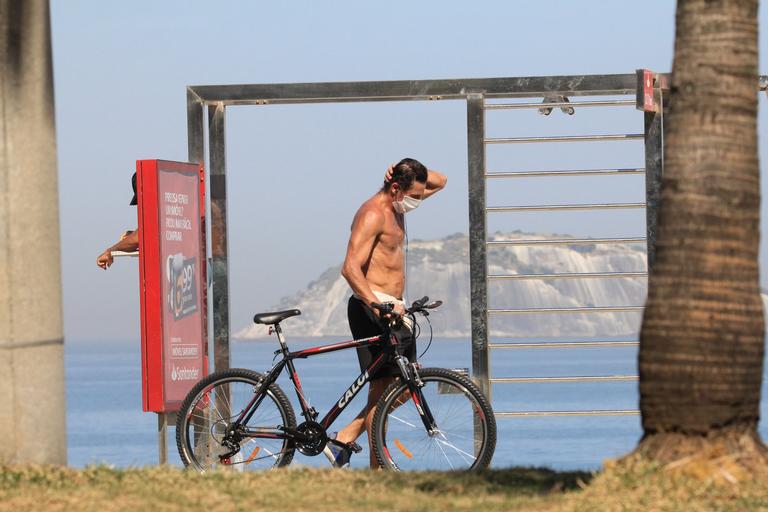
(311, 438)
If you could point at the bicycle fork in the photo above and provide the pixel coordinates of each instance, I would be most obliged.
(413, 381)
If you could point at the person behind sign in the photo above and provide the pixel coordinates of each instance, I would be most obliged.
(374, 268)
(129, 240)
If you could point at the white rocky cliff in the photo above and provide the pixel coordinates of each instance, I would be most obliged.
(440, 269)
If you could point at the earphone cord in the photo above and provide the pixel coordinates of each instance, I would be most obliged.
(405, 269)
(416, 327)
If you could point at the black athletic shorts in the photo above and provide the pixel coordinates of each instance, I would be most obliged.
(364, 323)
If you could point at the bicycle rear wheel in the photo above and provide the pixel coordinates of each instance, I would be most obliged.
(213, 405)
(465, 438)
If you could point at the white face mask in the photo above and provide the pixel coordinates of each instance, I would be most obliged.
(407, 204)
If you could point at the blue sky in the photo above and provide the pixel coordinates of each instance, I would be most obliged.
(296, 174)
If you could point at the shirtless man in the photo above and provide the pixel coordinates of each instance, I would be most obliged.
(374, 269)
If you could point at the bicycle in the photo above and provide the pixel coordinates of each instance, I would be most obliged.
(427, 419)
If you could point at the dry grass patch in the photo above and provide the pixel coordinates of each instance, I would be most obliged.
(170, 489)
(634, 484)
(637, 484)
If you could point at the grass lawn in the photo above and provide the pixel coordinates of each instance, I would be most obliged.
(641, 487)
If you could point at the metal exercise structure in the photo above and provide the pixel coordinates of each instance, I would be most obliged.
(642, 89)
(639, 86)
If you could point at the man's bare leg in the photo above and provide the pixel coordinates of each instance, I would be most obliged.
(362, 422)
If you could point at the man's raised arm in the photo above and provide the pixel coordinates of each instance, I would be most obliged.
(368, 224)
(435, 182)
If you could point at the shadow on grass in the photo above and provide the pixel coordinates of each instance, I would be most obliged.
(506, 483)
(528, 481)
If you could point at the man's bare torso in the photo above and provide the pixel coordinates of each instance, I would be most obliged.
(384, 269)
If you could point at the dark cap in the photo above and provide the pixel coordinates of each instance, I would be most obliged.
(133, 182)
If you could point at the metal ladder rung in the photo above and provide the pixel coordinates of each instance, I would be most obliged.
(599, 309)
(566, 138)
(568, 241)
(571, 172)
(563, 344)
(124, 254)
(579, 275)
(534, 414)
(563, 207)
(575, 104)
(538, 380)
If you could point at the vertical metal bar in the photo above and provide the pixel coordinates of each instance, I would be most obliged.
(196, 154)
(219, 250)
(195, 127)
(654, 163)
(162, 438)
(478, 268)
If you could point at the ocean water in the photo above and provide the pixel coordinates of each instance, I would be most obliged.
(105, 423)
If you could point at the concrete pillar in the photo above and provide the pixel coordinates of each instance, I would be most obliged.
(32, 410)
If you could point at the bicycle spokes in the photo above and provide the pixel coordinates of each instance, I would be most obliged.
(450, 442)
(215, 437)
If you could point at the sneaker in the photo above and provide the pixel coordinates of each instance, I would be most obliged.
(341, 454)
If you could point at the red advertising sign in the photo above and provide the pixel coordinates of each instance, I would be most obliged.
(172, 277)
(645, 99)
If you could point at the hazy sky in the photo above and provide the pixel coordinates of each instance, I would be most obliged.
(296, 174)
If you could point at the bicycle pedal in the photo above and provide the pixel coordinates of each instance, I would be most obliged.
(356, 448)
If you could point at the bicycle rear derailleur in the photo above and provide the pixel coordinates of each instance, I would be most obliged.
(231, 441)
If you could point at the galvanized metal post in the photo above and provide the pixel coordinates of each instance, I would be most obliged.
(162, 438)
(478, 268)
(654, 164)
(195, 128)
(219, 244)
(196, 154)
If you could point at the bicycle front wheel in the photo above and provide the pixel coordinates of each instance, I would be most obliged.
(465, 434)
(210, 409)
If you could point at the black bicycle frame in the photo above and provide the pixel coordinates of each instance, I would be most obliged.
(308, 412)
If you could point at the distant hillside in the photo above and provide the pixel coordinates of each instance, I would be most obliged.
(440, 269)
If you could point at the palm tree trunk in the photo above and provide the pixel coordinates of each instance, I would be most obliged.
(702, 339)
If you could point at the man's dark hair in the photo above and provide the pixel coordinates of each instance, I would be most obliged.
(407, 171)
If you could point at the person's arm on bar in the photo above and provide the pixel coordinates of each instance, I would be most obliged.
(129, 242)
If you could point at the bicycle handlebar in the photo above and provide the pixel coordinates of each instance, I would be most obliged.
(418, 306)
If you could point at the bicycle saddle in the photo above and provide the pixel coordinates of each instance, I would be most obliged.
(275, 316)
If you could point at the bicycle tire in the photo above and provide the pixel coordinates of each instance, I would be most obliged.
(210, 382)
(434, 375)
